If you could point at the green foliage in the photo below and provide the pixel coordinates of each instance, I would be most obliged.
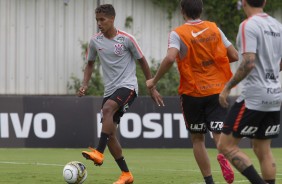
(224, 12)
(228, 16)
(96, 86)
(128, 22)
(272, 5)
(167, 86)
(142, 88)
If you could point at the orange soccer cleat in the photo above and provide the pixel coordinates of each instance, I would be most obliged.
(94, 155)
(125, 178)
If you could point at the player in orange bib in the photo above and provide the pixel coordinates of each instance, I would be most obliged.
(207, 69)
(203, 54)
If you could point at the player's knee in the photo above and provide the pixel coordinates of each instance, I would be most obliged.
(107, 111)
(220, 147)
(223, 148)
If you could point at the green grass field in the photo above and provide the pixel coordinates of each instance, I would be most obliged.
(157, 166)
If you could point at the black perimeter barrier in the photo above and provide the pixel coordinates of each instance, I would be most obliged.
(73, 122)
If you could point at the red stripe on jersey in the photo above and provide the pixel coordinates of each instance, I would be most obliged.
(262, 15)
(168, 44)
(133, 41)
(96, 35)
(244, 36)
(239, 117)
(243, 29)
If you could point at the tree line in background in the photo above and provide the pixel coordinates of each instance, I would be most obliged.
(226, 13)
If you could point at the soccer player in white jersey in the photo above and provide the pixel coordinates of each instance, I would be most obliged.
(256, 112)
(117, 51)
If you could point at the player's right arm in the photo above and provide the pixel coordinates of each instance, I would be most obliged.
(167, 62)
(246, 66)
(87, 75)
(88, 68)
(232, 53)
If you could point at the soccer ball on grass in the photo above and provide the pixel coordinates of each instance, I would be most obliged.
(75, 172)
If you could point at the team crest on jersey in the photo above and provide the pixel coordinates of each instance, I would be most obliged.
(119, 48)
(120, 39)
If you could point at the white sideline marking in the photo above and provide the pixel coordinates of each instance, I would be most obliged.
(61, 165)
(36, 163)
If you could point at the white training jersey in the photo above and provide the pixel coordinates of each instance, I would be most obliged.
(117, 57)
(261, 89)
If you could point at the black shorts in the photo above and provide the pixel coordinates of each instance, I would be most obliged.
(124, 97)
(202, 113)
(244, 122)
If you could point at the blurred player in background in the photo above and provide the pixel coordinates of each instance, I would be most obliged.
(256, 112)
(117, 51)
(203, 54)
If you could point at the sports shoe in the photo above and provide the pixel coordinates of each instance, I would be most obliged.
(94, 155)
(226, 168)
(125, 178)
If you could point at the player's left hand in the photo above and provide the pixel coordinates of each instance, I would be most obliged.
(150, 83)
(156, 96)
(81, 91)
(223, 97)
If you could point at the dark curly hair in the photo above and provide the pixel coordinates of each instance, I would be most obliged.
(192, 8)
(256, 3)
(107, 9)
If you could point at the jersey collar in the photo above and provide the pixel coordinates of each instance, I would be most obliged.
(193, 22)
(261, 14)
